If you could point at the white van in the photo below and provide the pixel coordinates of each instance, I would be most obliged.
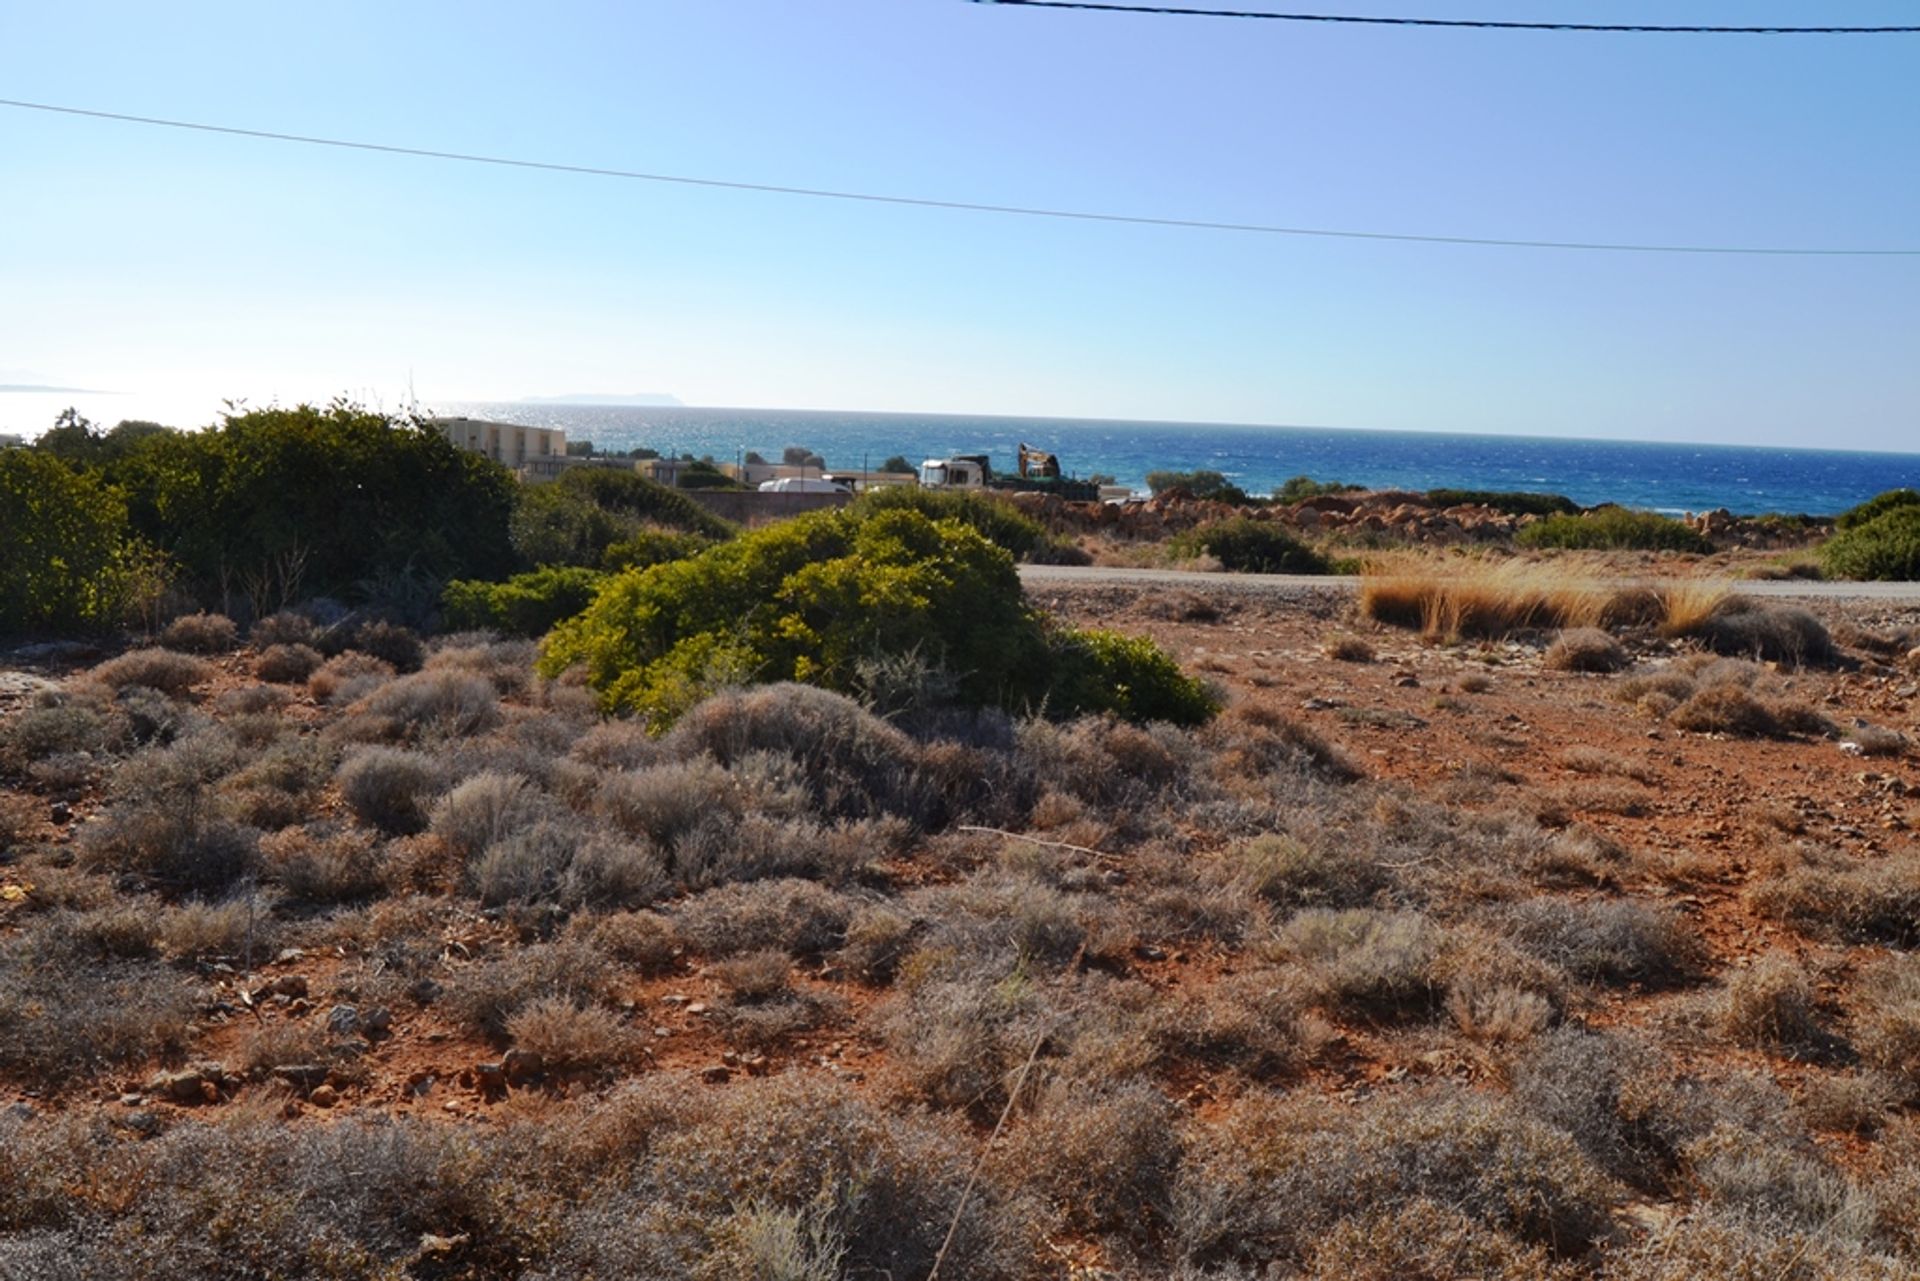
(803, 485)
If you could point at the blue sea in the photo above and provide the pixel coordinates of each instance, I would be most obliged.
(1662, 477)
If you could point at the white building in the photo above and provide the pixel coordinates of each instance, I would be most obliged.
(508, 444)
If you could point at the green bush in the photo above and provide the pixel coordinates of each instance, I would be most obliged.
(1248, 546)
(1614, 529)
(524, 605)
(1210, 485)
(1886, 547)
(994, 519)
(1876, 507)
(1302, 487)
(651, 547)
(579, 517)
(67, 561)
(276, 505)
(1130, 676)
(827, 599)
(1512, 502)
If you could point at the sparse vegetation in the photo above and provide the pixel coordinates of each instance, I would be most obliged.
(745, 997)
(1613, 529)
(1244, 545)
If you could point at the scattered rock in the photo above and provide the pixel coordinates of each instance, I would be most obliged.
(490, 1078)
(288, 985)
(343, 1020)
(520, 1065)
(379, 1022)
(60, 813)
(323, 1096)
(302, 1076)
(716, 1074)
(180, 1087)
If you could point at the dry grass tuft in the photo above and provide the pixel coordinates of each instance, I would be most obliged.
(160, 669)
(570, 1037)
(1586, 649)
(201, 634)
(1349, 649)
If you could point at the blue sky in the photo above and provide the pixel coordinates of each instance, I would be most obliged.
(180, 269)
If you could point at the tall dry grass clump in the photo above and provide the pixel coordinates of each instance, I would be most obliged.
(1486, 604)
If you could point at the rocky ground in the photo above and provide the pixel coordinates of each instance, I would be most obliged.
(336, 1008)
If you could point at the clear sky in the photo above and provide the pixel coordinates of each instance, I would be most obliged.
(179, 269)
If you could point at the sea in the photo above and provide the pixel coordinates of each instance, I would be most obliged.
(1665, 477)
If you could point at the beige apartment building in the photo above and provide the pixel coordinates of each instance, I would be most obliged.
(508, 444)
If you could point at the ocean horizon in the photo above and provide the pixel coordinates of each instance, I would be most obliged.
(1665, 477)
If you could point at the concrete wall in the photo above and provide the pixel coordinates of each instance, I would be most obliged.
(752, 507)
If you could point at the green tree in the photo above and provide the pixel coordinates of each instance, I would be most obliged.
(69, 561)
(898, 463)
(274, 504)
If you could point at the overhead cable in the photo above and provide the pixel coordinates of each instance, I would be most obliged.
(1634, 28)
(966, 206)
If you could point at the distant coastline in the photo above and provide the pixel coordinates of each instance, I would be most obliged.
(1671, 478)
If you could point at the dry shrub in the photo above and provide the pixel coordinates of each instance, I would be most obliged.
(1428, 1240)
(283, 628)
(1771, 1003)
(1252, 1022)
(957, 1042)
(37, 733)
(878, 936)
(1886, 1016)
(1850, 1102)
(68, 1016)
(794, 916)
(1705, 1244)
(286, 664)
(445, 703)
(398, 647)
(250, 700)
(1276, 1174)
(488, 993)
(1594, 760)
(1586, 649)
(391, 787)
(1292, 873)
(201, 633)
(645, 940)
(1606, 940)
(159, 669)
(1831, 895)
(322, 866)
(755, 976)
(617, 745)
(1746, 628)
(346, 677)
(1364, 960)
(1348, 649)
(207, 931)
(484, 809)
(1731, 709)
(570, 1037)
(1257, 739)
(1106, 1158)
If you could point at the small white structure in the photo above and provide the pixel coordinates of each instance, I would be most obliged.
(509, 444)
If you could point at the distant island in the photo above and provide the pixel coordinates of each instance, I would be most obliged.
(651, 399)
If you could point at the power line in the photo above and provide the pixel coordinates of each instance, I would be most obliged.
(967, 206)
(1484, 24)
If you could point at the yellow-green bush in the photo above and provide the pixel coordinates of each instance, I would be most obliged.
(827, 598)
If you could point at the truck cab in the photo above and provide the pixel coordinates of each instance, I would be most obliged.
(962, 472)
